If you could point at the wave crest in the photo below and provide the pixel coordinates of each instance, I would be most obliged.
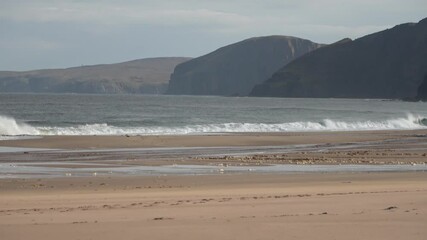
(10, 127)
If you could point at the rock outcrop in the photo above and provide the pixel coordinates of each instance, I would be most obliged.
(235, 69)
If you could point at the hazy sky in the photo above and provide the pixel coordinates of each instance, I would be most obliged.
(64, 33)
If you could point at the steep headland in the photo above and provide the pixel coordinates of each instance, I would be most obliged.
(149, 76)
(235, 69)
(386, 64)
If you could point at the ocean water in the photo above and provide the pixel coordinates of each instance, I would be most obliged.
(74, 114)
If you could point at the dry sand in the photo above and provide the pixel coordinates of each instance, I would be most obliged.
(239, 206)
(307, 206)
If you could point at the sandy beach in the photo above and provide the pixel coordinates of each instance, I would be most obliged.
(340, 205)
(307, 206)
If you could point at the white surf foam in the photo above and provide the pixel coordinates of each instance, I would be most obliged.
(10, 127)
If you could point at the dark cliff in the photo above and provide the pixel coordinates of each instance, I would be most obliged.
(148, 76)
(234, 69)
(386, 64)
(422, 90)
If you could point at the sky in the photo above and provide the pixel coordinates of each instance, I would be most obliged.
(37, 34)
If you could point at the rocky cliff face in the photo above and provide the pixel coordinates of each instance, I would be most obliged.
(148, 76)
(422, 90)
(387, 64)
(234, 70)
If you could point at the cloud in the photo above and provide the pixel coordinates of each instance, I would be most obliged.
(113, 13)
(222, 16)
(29, 44)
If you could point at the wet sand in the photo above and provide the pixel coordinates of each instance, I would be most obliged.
(242, 139)
(381, 147)
(221, 206)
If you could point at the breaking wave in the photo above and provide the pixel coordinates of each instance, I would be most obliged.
(11, 127)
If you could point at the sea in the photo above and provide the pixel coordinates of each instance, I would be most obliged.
(85, 114)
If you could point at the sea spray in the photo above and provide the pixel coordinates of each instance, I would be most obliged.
(10, 127)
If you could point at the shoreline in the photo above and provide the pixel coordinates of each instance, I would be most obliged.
(214, 140)
(68, 156)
